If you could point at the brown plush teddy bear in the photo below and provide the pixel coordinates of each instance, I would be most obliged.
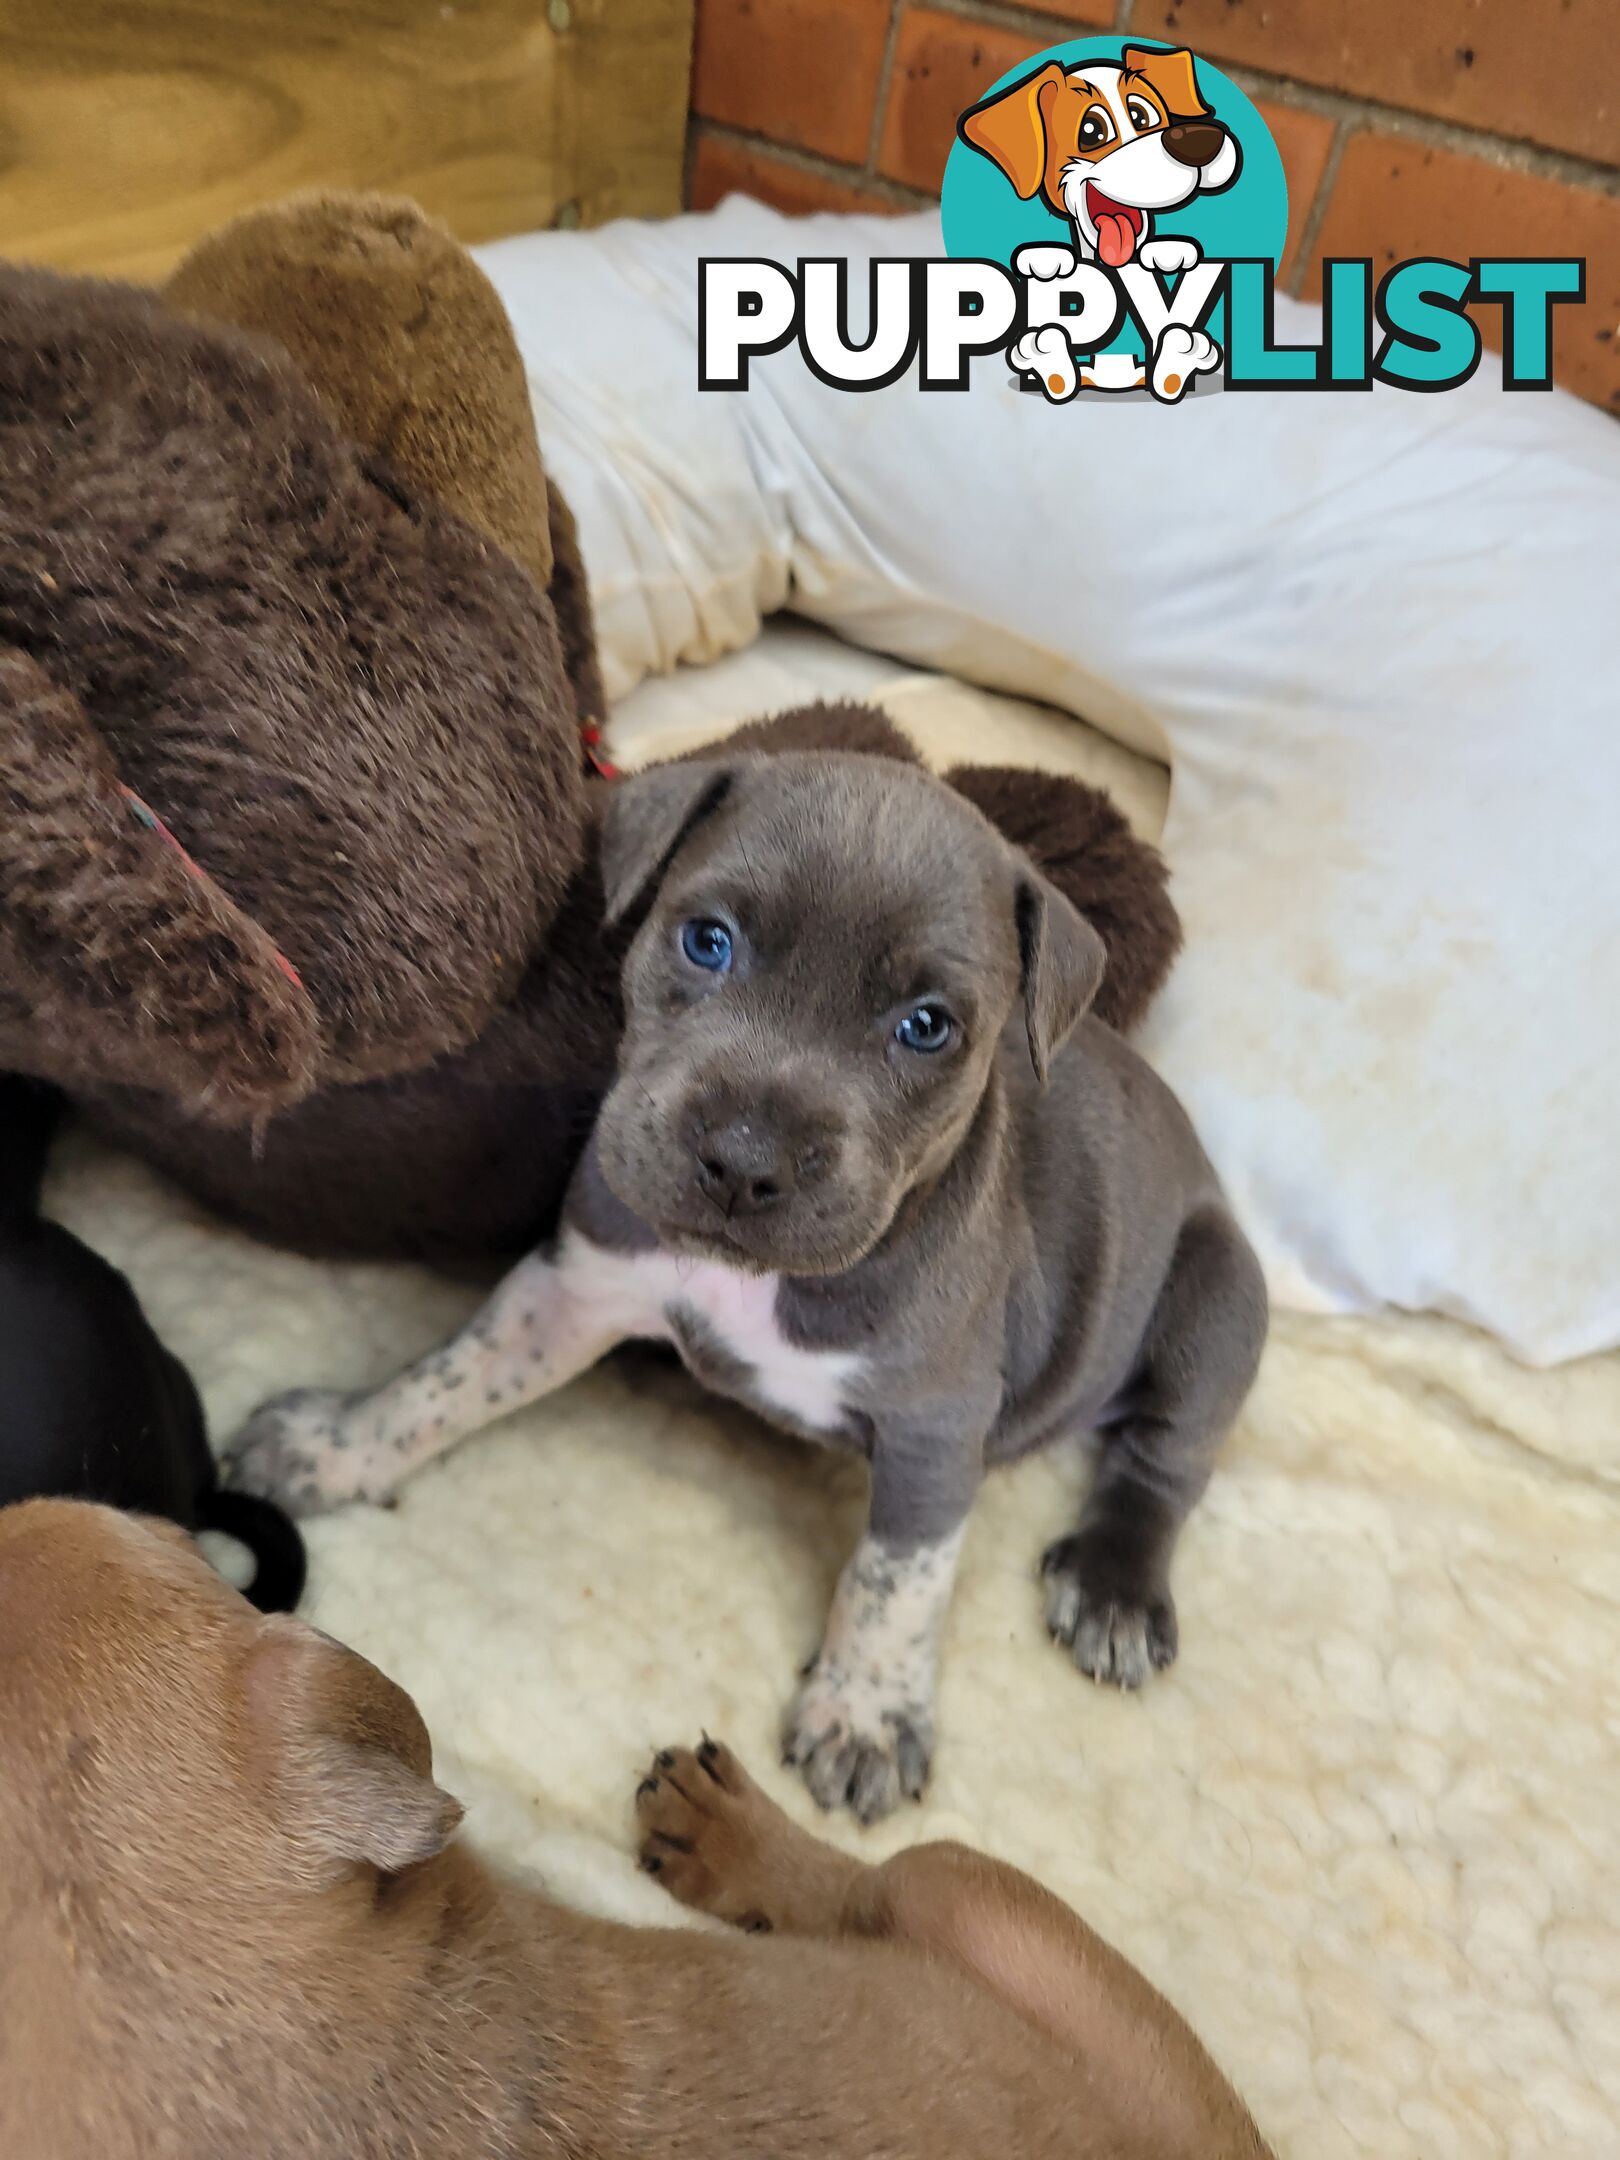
(297, 895)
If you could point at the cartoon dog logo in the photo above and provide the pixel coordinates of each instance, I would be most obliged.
(1108, 146)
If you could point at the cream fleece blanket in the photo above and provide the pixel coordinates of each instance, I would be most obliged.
(1366, 1833)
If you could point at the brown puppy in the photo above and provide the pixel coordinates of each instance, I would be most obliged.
(233, 1921)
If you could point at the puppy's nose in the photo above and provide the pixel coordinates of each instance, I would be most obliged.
(1194, 142)
(743, 1166)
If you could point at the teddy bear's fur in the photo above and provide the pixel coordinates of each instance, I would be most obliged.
(297, 895)
(349, 708)
(408, 344)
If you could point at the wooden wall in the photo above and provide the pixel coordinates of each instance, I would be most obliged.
(128, 127)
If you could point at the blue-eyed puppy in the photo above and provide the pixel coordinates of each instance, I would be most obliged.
(873, 1171)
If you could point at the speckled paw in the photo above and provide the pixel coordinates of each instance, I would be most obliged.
(294, 1451)
(857, 1752)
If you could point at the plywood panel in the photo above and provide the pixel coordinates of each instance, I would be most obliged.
(128, 127)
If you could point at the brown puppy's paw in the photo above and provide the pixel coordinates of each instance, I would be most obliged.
(1118, 1634)
(706, 1833)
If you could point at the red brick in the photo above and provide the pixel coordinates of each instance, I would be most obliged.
(801, 71)
(1098, 12)
(1303, 141)
(1395, 198)
(721, 168)
(942, 65)
(1539, 71)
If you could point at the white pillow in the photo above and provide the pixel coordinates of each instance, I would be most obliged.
(686, 554)
(1377, 636)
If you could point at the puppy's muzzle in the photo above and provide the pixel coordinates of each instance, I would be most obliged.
(751, 1158)
(1194, 142)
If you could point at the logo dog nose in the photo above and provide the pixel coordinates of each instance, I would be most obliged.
(743, 1167)
(1193, 142)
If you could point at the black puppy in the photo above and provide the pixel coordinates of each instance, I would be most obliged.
(92, 1406)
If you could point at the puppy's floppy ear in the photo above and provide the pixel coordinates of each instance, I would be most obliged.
(344, 1756)
(646, 819)
(1062, 960)
(1010, 128)
(1174, 75)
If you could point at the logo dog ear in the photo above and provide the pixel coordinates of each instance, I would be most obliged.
(1173, 75)
(1009, 128)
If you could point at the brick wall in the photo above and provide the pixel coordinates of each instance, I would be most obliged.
(1440, 127)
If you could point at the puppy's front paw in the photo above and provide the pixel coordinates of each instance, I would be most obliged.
(1169, 257)
(1118, 1632)
(1044, 261)
(707, 1832)
(857, 1748)
(294, 1450)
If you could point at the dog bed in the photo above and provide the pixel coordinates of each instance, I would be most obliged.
(1366, 1834)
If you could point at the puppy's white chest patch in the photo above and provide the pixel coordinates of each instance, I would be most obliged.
(658, 1295)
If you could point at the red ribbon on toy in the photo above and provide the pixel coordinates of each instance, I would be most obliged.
(590, 736)
(145, 815)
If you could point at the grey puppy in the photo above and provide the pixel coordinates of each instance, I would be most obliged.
(872, 1170)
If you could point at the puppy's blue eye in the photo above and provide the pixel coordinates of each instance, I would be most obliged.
(925, 1028)
(707, 944)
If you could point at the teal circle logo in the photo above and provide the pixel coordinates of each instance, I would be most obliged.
(1104, 145)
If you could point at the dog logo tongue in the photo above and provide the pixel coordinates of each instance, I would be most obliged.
(1116, 236)
(1117, 227)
